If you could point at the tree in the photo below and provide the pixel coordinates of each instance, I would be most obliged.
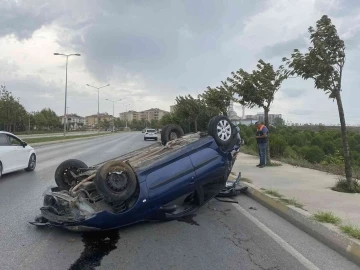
(258, 88)
(12, 113)
(324, 63)
(218, 98)
(278, 122)
(189, 108)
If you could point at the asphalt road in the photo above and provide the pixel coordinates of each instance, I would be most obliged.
(220, 236)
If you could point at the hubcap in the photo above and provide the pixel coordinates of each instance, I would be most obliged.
(117, 181)
(224, 130)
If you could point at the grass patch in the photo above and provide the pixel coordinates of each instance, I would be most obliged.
(60, 138)
(343, 186)
(273, 193)
(287, 201)
(330, 168)
(327, 217)
(273, 164)
(351, 231)
(292, 202)
(244, 179)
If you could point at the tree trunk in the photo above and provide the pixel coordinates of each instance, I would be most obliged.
(266, 118)
(195, 125)
(347, 161)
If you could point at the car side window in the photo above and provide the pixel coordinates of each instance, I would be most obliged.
(14, 141)
(4, 140)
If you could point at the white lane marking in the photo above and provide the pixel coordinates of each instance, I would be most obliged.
(305, 262)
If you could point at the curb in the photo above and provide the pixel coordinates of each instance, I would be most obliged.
(328, 234)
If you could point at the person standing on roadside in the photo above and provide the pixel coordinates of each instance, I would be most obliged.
(262, 139)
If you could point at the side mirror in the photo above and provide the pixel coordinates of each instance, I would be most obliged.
(23, 144)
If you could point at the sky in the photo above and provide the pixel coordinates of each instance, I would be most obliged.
(151, 51)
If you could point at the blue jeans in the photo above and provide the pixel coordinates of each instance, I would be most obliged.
(262, 153)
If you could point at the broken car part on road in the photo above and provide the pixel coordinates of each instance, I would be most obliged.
(163, 181)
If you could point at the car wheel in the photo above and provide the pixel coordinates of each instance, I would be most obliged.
(32, 163)
(171, 132)
(221, 129)
(63, 177)
(115, 181)
(209, 124)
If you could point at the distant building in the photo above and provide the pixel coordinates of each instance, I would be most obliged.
(74, 121)
(148, 115)
(248, 121)
(272, 117)
(232, 115)
(128, 116)
(92, 120)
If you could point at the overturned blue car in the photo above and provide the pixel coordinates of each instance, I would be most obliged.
(166, 180)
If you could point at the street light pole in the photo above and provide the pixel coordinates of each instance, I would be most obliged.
(126, 106)
(98, 88)
(113, 120)
(67, 59)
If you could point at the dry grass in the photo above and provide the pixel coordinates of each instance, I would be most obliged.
(274, 193)
(244, 179)
(327, 217)
(351, 231)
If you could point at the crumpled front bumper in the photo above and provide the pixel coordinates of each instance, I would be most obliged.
(60, 209)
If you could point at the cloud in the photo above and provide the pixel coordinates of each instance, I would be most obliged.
(284, 48)
(21, 18)
(152, 51)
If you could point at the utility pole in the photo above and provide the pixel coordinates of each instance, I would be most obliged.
(67, 58)
(113, 118)
(98, 117)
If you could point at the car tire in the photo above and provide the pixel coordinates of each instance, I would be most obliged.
(115, 181)
(62, 175)
(169, 131)
(209, 124)
(32, 163)
(221, 129)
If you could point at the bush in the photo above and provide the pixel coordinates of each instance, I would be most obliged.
(329, 148)
(290, 153)
(314, 154)
(277, 145)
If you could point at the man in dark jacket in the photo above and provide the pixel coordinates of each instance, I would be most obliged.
(262, 140)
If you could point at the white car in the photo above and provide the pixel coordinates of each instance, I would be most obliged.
(15, 154)
(150, 134)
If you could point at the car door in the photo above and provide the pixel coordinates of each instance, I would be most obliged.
(172, 180)
(6, 154)
(19, 154)
(210, 169)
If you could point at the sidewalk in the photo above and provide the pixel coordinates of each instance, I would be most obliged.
(309, 187)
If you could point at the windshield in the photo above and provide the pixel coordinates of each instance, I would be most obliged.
(151, 130)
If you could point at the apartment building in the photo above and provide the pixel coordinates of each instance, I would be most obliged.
(74, 121)
(147, 115)
(92, 120)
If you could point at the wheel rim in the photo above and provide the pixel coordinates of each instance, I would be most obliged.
(223, 130)
(117, 181)
(32, 162)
